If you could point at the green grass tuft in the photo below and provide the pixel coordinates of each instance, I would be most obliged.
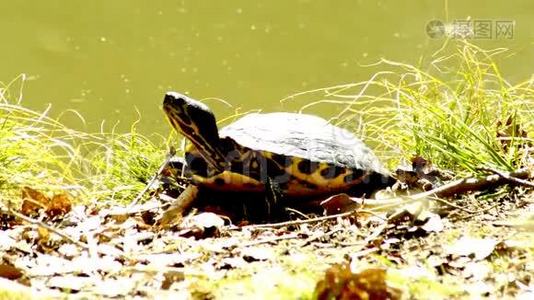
(448, 114)
(39, 151)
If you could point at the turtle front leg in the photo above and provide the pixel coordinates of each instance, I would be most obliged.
(179, 207)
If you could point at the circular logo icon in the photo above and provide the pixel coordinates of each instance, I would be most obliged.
(435, 29)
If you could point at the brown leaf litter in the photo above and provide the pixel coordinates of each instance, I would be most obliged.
(413, 247)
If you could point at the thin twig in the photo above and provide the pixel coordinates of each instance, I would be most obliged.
(462, 186)
(320, 235)
(463, 208)
(60, 233)
(289, 209)
(361, 253)
(376, 233)
(171, 153)
(298, 222)
(362, 244)
(454, 219)
(161, 269)
(270, 240)
(48, 227)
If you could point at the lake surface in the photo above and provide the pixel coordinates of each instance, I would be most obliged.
(106, 59)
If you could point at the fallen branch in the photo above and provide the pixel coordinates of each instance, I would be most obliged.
(462, 186)
(465, 185)
(508, 176)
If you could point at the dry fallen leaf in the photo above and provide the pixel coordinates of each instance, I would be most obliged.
(33, 201)
(9, 272)
(207, 220)
(72, 283)
(7, 220)
(340, 283)
(59, 205)
(171, 277)
(421, 165)
(114, 288)
(467, 246)
(511, 130)
(162, 260)
(338, 204)
(69, 250)
(525, 223)
(478, 289)
(43, 240)
(432, 222)
(202, 225)
(257, 253)
(6, 242)
(231, 263)
(19, 291)
(478, 271)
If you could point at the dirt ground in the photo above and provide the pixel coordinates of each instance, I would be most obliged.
(480, 245)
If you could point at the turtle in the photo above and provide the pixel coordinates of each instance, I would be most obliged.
(281, 154)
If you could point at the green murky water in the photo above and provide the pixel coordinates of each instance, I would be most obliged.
(107, 58)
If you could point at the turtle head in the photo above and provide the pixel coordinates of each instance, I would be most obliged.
(196, 122)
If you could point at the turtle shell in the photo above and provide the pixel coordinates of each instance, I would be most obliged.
(304, 136)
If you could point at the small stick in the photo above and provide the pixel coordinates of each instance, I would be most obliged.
(318, 236)
(362, 244)
(475, 212)
(361, 253)
(376, 233)
(464, 209)
(269, 240)
(49, 228)
(171, 153)
(319, 219)
(298, 222)
(289, 209)
(57, 231)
